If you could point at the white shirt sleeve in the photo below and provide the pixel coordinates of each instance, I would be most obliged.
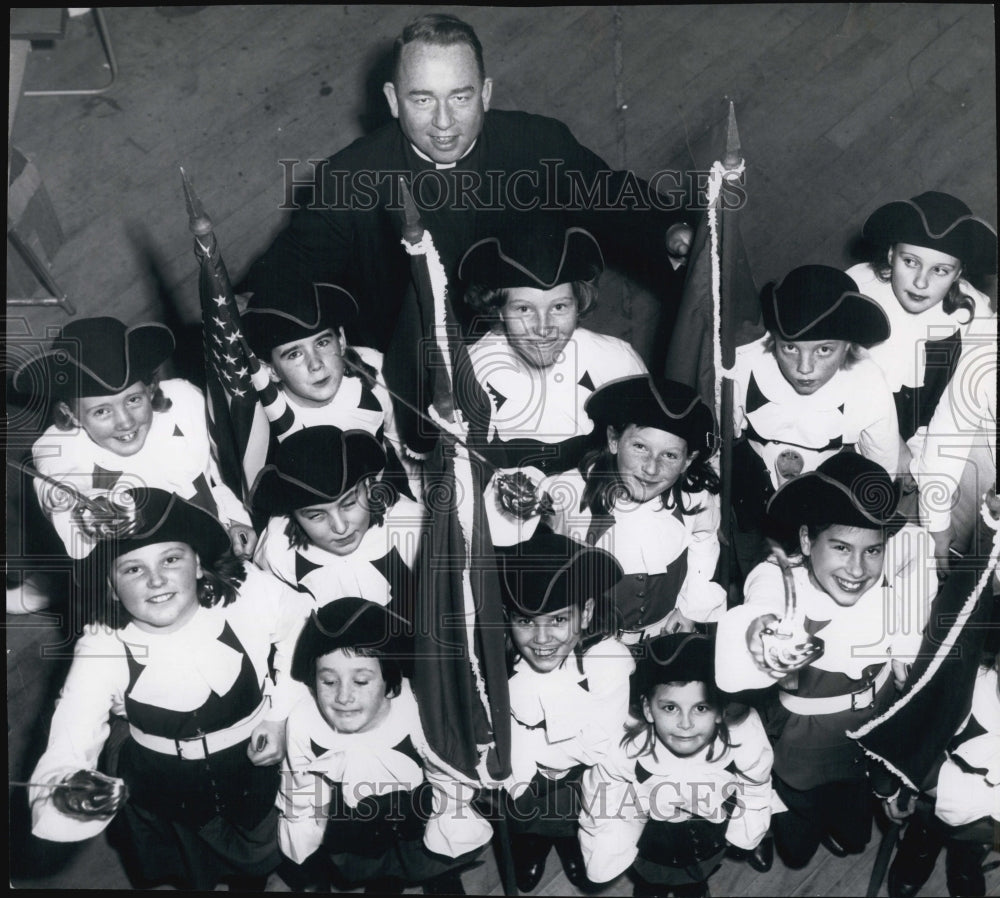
(701, 599)
(878, 435)
(80, 727)
(754, 757)
(611, 819)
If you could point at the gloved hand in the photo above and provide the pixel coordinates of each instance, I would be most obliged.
(89, 794)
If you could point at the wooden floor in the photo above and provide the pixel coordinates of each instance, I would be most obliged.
(841, 107)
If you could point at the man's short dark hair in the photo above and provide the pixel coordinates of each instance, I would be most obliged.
(441, 30)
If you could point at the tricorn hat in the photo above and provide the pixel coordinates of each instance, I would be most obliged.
(285, 309)
(846, 489)
(549, 572)
(348, 623)
(938, 221)
(676, 658)
(314, 466)
(532, 255)
(96, 357)
(655, 402)
(156, 516)
(817, 302)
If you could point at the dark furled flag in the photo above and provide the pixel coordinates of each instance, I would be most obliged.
(460, 669)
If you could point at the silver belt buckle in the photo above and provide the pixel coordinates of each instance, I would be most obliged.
(863, 699)
(183, 744)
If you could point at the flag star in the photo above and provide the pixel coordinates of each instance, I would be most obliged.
(242, 372)
(233, 337)
(219, 300)
(238, 393)
(219, 322)
(217, 339)
(230, 360)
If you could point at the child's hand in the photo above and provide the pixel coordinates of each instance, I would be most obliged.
(89, 795)
(899, 807)
(267, 743)
(243, 539)
(676, 622)
(755, 644)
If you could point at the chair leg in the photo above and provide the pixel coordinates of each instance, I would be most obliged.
(109, 52)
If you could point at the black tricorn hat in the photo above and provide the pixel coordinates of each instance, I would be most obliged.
(938, 221)
(655, 402)
(158, 516)
(847, 489)
(313, 466)
(532, 256)
(348, 623)
(817, 302)
(549, 572)
(96, 357)
(285, 309)
(676, 658)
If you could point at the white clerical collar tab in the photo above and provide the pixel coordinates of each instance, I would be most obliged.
(442, 166)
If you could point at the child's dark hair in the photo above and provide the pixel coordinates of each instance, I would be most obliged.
(392, 668)
(218, 584)
(603, 484)
(381, 497)
(63, 419)
(954, 300)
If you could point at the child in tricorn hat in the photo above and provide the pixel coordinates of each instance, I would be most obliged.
(182, 648)
(361, 800)
(117, 426)
(335, 527)
(926, 249)
(650, 498)
(569, 691)
(857, 594)
(806, 391)
(533, 283)
(296, 330)
(691, 777)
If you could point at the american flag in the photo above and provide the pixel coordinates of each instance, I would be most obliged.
(244, 407)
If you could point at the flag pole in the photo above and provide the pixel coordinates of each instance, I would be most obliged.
(732, 168)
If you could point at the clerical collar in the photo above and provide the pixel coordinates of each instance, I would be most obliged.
(441, 166)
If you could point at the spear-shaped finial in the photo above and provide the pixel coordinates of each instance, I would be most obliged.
(413, 230)
(198, 221)
(733, 155)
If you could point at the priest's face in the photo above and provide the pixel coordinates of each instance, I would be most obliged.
(440, 99)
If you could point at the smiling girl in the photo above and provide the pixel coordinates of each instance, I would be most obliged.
(806, 391)
(926, 250)
(116, 426)
(569, 692)
(536, 366)
(864, 593)
(180, 648)
(336, 529)
(650, 498)
(665, 803)
(361, 802)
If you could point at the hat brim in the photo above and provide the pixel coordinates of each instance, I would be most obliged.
(969, 239)
(635, 400)
(172, 521)
(814, 498)
(147, 346)
(348, 623)
(854, 318)
(277, 491)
